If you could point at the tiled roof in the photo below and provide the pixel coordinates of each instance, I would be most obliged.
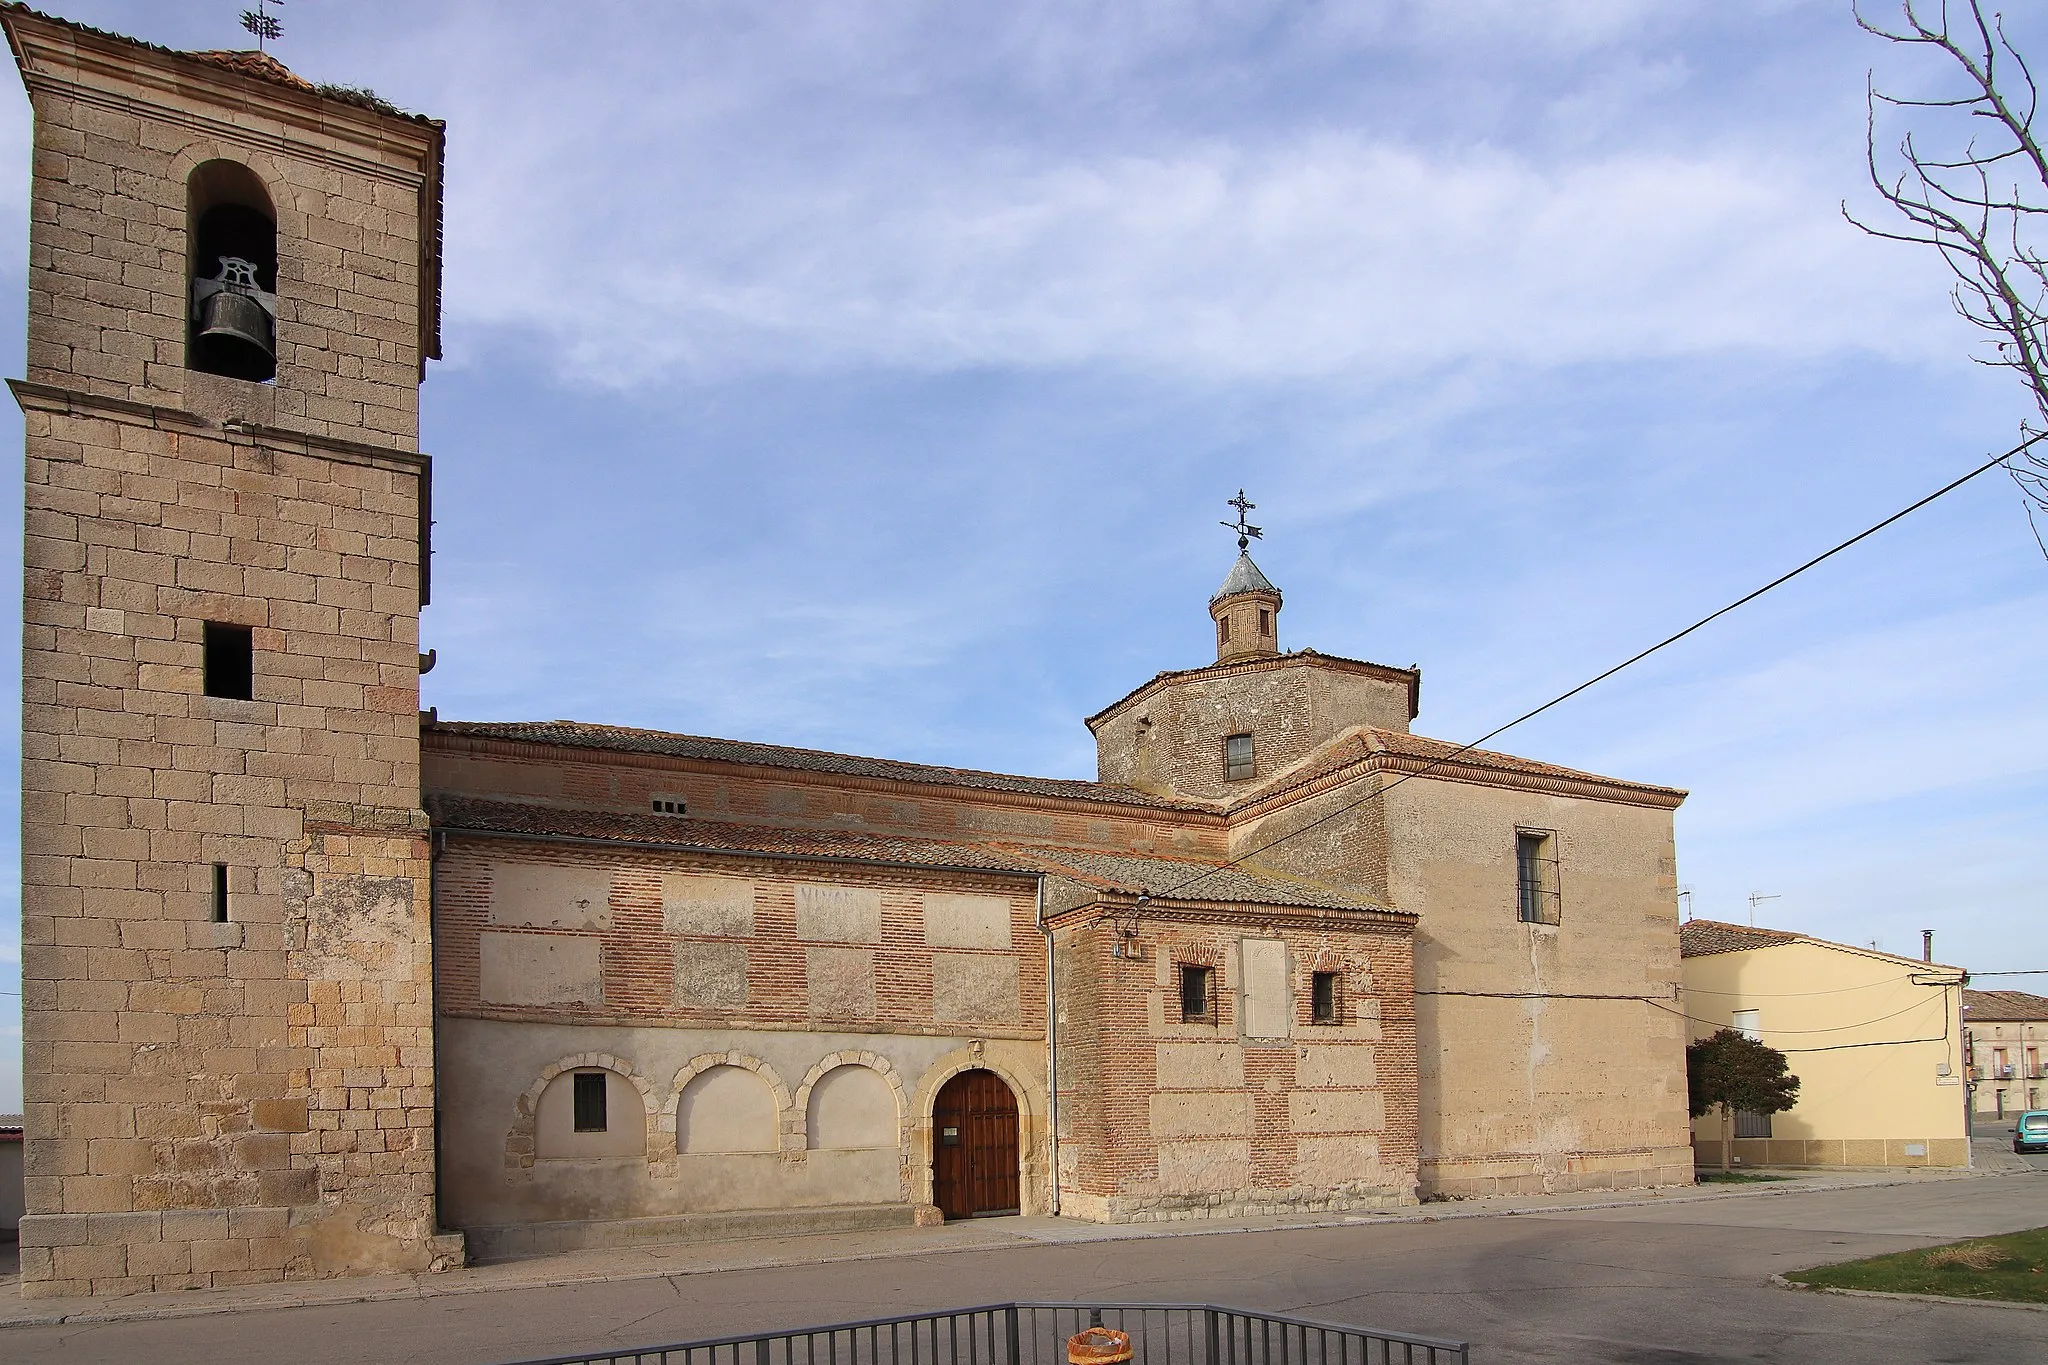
(1368, 742)
(1706, 937)
(515, 817)
(2012, 1007)
(576, 735)
(1244, 577)
(1127, 874)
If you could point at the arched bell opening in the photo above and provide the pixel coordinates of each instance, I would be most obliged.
(232, 228)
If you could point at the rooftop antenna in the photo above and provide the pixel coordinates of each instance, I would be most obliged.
(261, 22)
(1246, 532)
(1757, 898)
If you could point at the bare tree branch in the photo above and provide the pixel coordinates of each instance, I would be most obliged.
(1981, 201)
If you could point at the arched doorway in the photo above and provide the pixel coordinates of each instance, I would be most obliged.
(974, 1146)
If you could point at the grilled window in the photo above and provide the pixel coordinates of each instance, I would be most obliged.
(1748, 1125)
(1536, 876)
(1324, 1003)
(590, 1115)
(1237, 758)
(1197, 996)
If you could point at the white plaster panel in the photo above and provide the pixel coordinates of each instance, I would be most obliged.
(726, 1109)
(711, 976)
(1197, 1114)
(554, 1126)
(952, 921)
(838, 914)
(1321, 1068)
(841, 982)
(721, 907)
(548, 896)
(1264, 976)
(975, 988)
(1202, 1167)
(1200, 1066)
(1326, 1161)
(539, 969)
(851, 1106)
(1337, 1111)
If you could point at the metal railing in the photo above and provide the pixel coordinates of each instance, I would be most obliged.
(1036, 1334)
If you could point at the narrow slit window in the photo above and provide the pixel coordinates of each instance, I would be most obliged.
(1222, 630)
(668, 805)
(1197, 996)
(1265, 621)
(590, 1115)
(1323, 998)
(230, 664)
(1536, 876)
(1237, 758)
(220, 893)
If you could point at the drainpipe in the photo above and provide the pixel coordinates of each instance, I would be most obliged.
(1052, 1055)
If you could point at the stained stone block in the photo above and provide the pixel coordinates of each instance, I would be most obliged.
(711, 976)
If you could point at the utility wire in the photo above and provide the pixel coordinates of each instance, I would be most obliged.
(1633, 659)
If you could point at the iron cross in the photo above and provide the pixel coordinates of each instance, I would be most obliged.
(1246, 532)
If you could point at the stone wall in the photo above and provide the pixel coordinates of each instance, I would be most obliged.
(213, 1102)
(1168, 737)
(119, 129)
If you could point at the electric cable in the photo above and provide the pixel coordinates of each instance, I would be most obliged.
(1633, 659)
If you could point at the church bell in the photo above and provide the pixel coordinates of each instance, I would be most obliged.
(237, 321)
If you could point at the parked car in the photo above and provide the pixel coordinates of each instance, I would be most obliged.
(2030, 1134)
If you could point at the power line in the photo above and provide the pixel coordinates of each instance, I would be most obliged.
(1633, 659)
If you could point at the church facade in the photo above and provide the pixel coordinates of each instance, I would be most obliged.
(317, 984)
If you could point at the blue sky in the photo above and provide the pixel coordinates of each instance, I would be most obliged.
(871, 377)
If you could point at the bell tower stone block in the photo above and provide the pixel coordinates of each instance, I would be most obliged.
(226, 959)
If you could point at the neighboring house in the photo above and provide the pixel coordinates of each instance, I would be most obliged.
(1874, 1039)
(313, 972)
(2008, 1040)
(10, 1175)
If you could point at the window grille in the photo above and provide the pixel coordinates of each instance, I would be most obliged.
(1324, 1003)
(1237, 758)
(1536, 876)
(1197, 998)
(1748, 1125)
(590, 1115)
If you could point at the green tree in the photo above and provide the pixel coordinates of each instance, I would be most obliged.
(1734, 1071)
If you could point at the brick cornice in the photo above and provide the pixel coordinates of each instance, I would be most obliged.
(886, 786)
(1117, 906)
(1477, 774)
(1305, 658)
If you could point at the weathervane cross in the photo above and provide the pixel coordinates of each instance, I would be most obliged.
(261, 22)
(1246, 532)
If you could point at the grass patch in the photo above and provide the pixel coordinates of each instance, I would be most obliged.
(1734, 1177)
(2013, 1267)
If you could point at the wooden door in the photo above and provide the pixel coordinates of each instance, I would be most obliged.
(974, 1146)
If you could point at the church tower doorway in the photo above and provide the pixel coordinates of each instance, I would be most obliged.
(974, 1147)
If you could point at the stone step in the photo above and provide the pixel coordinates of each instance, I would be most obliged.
(514, 1241)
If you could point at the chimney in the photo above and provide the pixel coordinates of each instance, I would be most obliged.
(1927, 945)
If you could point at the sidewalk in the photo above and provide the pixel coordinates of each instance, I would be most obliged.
(700, 1258)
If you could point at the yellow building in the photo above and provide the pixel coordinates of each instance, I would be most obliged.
(1876, 1041)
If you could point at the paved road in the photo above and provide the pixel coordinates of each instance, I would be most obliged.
(1643, 1285)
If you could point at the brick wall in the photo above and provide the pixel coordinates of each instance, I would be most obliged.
(1165, 1118)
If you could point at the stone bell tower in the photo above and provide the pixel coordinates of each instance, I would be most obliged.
(226, 963)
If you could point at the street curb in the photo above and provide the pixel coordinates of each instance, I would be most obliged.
(1088, 1234)
(1783, 1283)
